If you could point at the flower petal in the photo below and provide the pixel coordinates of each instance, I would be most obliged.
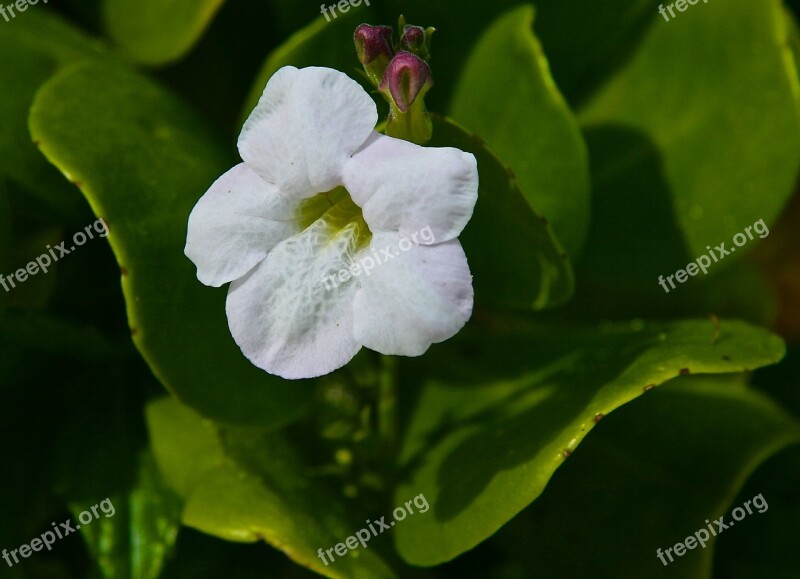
(420, 297)
(307, 124)
(284, 317)
(403, 187)
(235, 224)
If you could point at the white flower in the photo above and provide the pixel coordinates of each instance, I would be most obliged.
(317, 189)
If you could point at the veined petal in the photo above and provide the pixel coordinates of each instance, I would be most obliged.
(420, 297)
(403, 187)
(284, 317)
(235, 224)
(307, 124)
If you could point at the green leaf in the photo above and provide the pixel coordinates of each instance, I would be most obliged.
(246, 486)
(533, 132)
(133, 539)
(626, 256)
(494, 423)
(650, 477)
(587, 44)
(156, 32)
(143, 160)
(658, 122)
(513, 254)
(32, 49)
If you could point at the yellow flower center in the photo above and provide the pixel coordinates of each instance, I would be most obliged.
(338, 210)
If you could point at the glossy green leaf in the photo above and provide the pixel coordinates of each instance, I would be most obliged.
(719, 69)
(32, 48)
(142, 160)
(247, 486)
(650, 477)
(494, 423)
(533, 132)
(515, 259)
(156, 32)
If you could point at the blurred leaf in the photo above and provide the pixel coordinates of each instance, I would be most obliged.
(649, 478)
(201, 556)
(248, 486)
(102, 470)
(86, 13)
(533, 132)
(780, 382)
(48, 334)
(143, 160)
(296, 15)
(659, 120)
(794, 33)
(513, 254)
(626, 254)
(779, 259)
(33, 420)
(499, 417)
(29, 243)
(5, 242)
(31, 50)
(156, 32)
(26, 501)
(767, 545)
(587, 44)
(134, 539)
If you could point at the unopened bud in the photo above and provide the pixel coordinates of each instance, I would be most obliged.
(406, 79)
(405, 82)
(374, 48)
(416, 40)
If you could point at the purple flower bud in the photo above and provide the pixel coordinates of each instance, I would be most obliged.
(414, 40)
(405, 79)
(374, 48)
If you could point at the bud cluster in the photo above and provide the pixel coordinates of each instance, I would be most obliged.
(401, 74)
